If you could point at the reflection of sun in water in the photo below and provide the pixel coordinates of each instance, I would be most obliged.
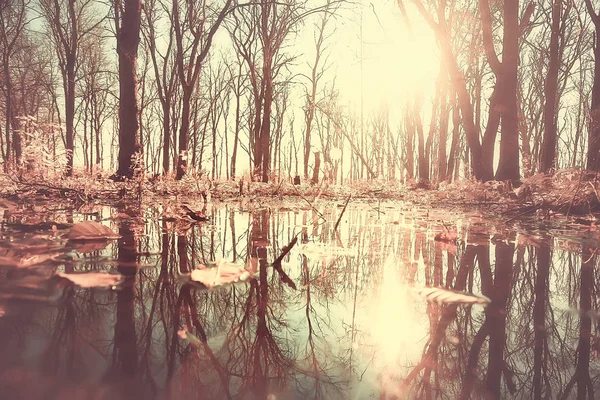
(397, 328)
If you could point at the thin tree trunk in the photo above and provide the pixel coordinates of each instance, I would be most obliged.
(184, 129)
(593, 156)
(548, 158)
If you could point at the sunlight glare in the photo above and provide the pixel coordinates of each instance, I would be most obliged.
(396, 327)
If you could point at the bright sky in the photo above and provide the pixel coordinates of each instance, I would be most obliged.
(396, 63)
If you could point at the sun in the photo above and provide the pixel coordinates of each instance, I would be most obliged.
(387, 62)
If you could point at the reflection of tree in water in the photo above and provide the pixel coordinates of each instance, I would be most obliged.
(318, 358)
(124, 363)
(264, 337)
(581, 376)
(429, 377)
(265, 363)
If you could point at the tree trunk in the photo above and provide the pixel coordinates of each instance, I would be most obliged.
(443, 137)
(410, 134)
(315, 177)
(466, 107)
(489, 137)
(547, 162)
(265, 129)
(508, 166)
(236, 137)
(593, 156)
(184, 131)
(166, 107)
(455, 142)
(423, 160)
(128, 39)
(70, 113)
(9, 112)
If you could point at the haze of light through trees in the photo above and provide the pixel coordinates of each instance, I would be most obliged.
(415, 90)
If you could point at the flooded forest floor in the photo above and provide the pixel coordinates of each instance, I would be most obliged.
(158, 289)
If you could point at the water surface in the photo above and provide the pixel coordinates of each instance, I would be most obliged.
(342, 316)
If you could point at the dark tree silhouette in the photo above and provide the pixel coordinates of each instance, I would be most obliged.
(127, 22)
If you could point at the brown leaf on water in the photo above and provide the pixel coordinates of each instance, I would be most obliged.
(90, 230)
(444, 296)
(93, 279)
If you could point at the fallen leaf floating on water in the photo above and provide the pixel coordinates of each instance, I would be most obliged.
(27, 261)
(93, 279)
(443, 296)
(90, 230)
(225, 272)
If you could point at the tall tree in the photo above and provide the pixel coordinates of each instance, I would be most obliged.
(506, 75)
(127, 24)
(317, 71)
(13, 21)
(164, 72)
(593, 156)
(190, 58)
(68, 22)
(504, 103)
(548, 152)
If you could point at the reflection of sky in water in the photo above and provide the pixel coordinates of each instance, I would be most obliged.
(353, 329)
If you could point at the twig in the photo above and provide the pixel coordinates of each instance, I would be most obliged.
(310, 204)
(51, 187)
(342, 213)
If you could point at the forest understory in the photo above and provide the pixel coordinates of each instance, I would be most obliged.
(568, 192)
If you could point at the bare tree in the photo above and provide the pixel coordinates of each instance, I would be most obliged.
(191, 58)
(593, 155)
(318, 69)
(68, 23)
(13, 22)
(165, 74)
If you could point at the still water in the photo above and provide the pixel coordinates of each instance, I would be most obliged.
(343, 316)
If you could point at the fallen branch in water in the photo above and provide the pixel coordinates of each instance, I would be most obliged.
(340, 217)
(286, 250)
(277, 264)
(310, 204)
